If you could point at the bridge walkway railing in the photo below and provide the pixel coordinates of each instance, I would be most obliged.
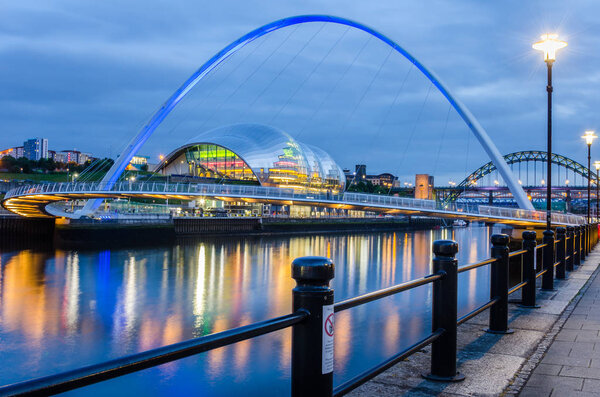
(313, 309)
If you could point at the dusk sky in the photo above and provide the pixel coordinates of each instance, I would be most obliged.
(89, 74)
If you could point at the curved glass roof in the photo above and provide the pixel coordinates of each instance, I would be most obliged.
(275, 158)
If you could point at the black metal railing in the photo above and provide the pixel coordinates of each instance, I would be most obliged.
(313, 310)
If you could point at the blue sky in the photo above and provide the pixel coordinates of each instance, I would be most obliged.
(88, 74)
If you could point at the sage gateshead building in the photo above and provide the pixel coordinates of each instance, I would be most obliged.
(254, 154)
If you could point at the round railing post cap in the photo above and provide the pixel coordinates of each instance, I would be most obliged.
(313, 269)
(570, 228)
(560, 230)
(529, 235)
(500, 239)
(445, 247)
(548, 233)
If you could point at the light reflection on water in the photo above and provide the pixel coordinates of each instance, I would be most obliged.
(64, 309)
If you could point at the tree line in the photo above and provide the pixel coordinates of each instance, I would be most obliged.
(27, 166)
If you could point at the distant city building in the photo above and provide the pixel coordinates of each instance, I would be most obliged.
(72, 156)
(15, 152)
(138, 163)
(360, 173)
(36, 148)
(424, 186)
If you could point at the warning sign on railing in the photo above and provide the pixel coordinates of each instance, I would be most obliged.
(327, 358)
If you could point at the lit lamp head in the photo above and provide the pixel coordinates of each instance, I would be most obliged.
(597, 165)
(589, 137)
(549, 45)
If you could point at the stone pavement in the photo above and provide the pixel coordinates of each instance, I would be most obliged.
(571, 365)
(507, 364)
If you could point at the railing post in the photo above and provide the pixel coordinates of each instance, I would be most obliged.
(576, 246)
(560, 252)
(444, 313)
(312, 339)
(582, 242)
(548, 261)
(499, 285)
(528, 294)
(570, 250)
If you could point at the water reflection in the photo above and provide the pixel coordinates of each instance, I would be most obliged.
(63, 309)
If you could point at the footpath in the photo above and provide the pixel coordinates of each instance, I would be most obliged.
(554, 350)
(571, 365)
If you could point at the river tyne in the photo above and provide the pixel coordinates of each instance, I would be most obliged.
(62, 309)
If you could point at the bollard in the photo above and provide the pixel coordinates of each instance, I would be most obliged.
(582, 242)
(560, 252)
(312, 339)
(577, 245)
(499, 285)
(569, 249)
(444, 313)
(548, 261)
(528, 294)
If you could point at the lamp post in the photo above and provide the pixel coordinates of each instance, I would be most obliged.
(549, 45)
(589, 137)
(597, 166)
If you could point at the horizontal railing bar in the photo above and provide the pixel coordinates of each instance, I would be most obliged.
(575, 252)
(84, 376)
(382, 293)
(541, 273)
(517, 287)
(537, 247)
(567, 238)
(475, 312)
(358, 380)
(556, 264)
(567, 257)
(472, 266)
(516, 253)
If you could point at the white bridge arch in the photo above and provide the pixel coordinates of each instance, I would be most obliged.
(144, 134)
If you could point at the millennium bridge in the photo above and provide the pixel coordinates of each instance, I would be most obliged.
(39, 201)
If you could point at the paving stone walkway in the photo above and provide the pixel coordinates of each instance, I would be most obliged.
(571, 365)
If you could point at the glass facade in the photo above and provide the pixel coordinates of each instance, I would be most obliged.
(214, 161)
(255, 153)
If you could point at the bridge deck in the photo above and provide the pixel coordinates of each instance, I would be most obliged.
(33, 201)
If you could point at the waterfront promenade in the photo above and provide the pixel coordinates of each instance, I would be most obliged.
(554, 350)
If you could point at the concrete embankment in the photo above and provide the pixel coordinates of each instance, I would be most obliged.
(163, 230)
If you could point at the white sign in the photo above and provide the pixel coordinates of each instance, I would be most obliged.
(327, 357)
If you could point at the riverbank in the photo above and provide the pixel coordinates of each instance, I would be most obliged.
(494, 364)
(136, 231)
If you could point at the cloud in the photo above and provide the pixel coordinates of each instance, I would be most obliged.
(88, 75)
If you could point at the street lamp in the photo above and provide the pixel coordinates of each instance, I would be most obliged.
(597, 166)
(549, 45)
(589, 137)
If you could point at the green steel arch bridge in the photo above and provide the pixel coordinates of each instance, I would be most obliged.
(469, 184)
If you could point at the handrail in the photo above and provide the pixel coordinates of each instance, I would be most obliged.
(382, 293)
(69, 380)
(556, 264)
(516, 253)
(518, 287)
(476, 265)
(478, 310)
(540, 273)
(390, 362)
(541, 246)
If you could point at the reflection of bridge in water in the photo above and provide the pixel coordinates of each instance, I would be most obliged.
(37, 200)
